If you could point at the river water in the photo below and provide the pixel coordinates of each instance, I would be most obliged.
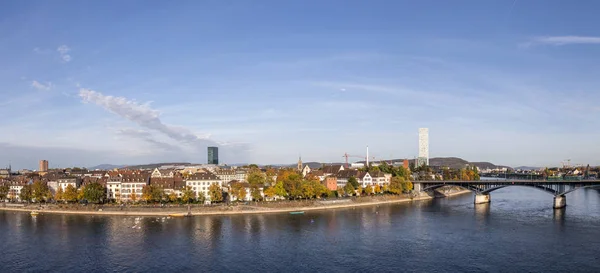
(518, 232)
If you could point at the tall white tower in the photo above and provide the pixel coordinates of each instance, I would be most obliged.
(423, 146)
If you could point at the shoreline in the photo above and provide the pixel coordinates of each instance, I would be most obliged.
(239, 212)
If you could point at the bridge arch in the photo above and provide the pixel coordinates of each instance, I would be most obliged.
(542, 188)
(489, 190)
(466, 187)
(582, 187)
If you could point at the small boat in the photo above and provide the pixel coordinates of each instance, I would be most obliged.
(296, 212)
(34, 213)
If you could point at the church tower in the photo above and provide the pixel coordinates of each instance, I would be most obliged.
(299, 163)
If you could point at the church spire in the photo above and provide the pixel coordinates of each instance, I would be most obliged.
(299, 163)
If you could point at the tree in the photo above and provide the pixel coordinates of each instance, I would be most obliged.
(201, 198)
(152, 193)
(407, 186)
(352, 181)
(70, 194)
(40, 191)
(94, 193)
(133, 196)
(308, 190)
(377, 189)
(59, 195)
(270, 192)
(147, 193)
(215, 192)
(256, 178)
(255, 192)
(239, 191)
(26, 193)
(368, 190)
(339, 192)
(188, 194)
(4, 191)
(396, 185)
(292, 184)
(279, 189)
(81, 193)
(172, 197)
(349, 189)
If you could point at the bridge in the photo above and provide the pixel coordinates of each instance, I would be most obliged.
(483, 188)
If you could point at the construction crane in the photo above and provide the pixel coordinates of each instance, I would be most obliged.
(566, 163)
(346, 155)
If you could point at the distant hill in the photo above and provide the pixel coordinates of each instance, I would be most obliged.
(105, 167)
(154, 165)
(458, 163)
(526, 168)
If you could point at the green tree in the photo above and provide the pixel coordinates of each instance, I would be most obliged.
(352, 181)
(349, 189)
(279, 189)
(40, 191)
(4, 191)
(368, 190)
(94, 193)
(396, 185)
(188, 195)
(407, 186)
(152, 193)
(201, 197)
(308, 190)
(216, 194)
(70, 194)
(256, 178)
(293, 185)
(255, 192)
(26, 193)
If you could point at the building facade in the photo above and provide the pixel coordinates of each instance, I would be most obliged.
(213, 155)
(423, 147)
(200, 183)
(43, 166)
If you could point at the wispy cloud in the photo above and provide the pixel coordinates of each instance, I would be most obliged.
(40, 86)
(562, 40)
(147, 137)
(63, 50)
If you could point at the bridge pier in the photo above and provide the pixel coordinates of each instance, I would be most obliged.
(482, 198)
(560, 201)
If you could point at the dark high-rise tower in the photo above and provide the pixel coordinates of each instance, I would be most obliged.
(213, 155)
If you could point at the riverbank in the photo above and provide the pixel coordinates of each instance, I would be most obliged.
(198, 210)
(219, 210)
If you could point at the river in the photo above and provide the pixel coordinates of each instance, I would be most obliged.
(518, 232)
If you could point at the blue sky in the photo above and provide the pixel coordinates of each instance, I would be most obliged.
(127, 82)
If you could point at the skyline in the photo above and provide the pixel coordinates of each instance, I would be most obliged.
(509, 82)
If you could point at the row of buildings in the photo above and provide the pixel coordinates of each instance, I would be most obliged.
(122, 184)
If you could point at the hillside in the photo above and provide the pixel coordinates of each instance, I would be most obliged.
(154, 165)
(106, 167)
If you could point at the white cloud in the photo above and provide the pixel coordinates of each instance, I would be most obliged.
(562, 40)
(40, 86)
(63, 50)
(146, 117)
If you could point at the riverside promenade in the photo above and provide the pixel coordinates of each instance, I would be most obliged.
(220, 209)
